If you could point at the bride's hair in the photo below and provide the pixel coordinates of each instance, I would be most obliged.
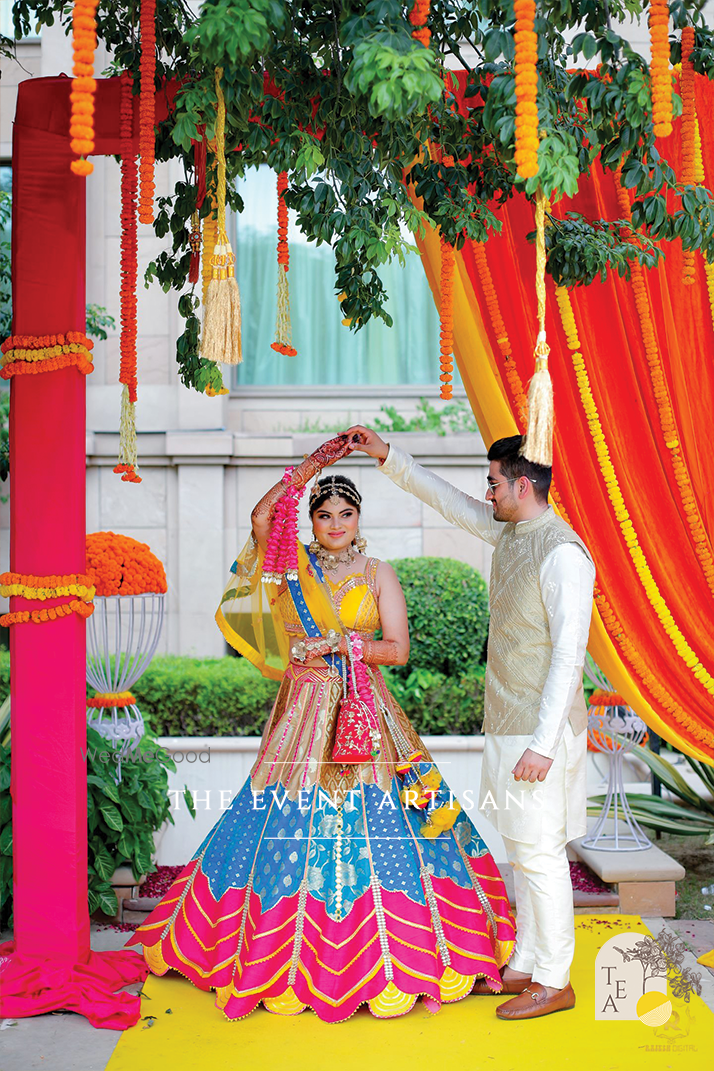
(334, 485)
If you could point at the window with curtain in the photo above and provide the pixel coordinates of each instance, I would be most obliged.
(328, 352)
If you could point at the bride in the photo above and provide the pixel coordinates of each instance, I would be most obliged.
(344, 871)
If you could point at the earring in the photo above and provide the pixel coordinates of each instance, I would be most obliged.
(360, 543)
(314, 545)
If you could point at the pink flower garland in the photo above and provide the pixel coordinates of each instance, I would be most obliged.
(281, 555)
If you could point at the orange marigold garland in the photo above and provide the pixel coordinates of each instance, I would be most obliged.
(42, 588)
(688, 175)
(526, 154)
(104, 700)
(283, 343)
(660, 78)
(446, 316)
(147, 136)
(31, 354)
(46, 587)
(120, 565)
(417, 17)
(499, 329)
(127, 463)
(665, 409)
(221, 340)
(81, 123)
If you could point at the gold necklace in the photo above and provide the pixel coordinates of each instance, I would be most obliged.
(331, 562)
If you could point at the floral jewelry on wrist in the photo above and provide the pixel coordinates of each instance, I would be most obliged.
(298, 651)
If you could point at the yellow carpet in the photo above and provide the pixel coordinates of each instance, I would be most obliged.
(188, 1032)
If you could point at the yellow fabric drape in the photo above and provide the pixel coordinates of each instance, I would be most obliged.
(249, 614)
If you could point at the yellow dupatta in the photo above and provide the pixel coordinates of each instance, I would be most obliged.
(249, 614)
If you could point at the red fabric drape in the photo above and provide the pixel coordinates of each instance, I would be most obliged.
(612, 346)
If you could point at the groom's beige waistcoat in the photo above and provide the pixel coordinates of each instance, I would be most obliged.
(519, 645)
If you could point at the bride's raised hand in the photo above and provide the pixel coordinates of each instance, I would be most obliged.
(331, 451)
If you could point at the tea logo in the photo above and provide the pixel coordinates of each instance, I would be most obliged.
(629, 967)
(632, 975)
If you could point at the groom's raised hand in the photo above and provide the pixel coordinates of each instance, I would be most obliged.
(367, 441)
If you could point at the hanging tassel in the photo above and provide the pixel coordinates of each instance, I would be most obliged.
(195, 243)
(127, 463)
(210, 237)
(538, 444)
(283, 327)
(199, 166)
(222, 317)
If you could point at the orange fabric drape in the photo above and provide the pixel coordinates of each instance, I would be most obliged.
(671, 696)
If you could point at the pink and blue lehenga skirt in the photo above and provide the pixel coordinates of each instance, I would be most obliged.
(303, 897)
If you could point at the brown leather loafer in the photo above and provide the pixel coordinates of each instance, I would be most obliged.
(511, 985)
(534, 1001)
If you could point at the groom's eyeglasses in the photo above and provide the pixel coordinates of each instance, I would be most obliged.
(492, 484)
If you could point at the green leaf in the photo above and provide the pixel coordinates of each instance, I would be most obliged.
(107, 786)
(103, 863)
(107, 902)
(111, 816)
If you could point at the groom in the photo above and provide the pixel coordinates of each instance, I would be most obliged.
(533, 779)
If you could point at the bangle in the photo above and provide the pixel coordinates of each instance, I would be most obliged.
(298, 651)
(381, 460)
(332, 639)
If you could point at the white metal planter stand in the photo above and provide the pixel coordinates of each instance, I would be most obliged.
(122, 637)
(603, 723)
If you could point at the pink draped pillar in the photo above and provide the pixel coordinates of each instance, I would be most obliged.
(47, 536)
(51, 965)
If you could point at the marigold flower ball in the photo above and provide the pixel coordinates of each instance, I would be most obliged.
(120, 565)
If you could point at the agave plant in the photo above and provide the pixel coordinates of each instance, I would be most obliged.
(693, 817)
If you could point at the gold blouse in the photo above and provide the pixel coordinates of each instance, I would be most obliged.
(354, 598)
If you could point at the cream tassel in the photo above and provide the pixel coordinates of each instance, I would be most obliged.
(538, 444)
(127, 464)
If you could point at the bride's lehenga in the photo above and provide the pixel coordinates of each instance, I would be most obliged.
(316, 887)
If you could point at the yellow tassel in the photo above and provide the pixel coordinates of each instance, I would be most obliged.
(221, 340)
(538, 444)
(210, 237)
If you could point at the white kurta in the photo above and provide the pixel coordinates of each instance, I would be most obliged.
(517, 808)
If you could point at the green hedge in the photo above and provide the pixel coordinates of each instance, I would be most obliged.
(447, 603)
(204, 697)
(228, 697)
(438, 705)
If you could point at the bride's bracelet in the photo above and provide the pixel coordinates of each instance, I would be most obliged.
(315, 646)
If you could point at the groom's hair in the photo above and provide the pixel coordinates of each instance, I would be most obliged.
(513, 464)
